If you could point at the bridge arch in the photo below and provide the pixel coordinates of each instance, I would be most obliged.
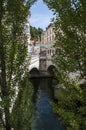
(51, 69)
(34, 71)
(35, 82)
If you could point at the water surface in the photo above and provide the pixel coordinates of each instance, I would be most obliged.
(45, 118)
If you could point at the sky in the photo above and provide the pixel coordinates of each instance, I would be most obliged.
(41, 16)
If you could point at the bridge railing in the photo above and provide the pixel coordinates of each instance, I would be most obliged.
(41, 61)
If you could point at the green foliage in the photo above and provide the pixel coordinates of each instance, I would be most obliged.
(35, 33)
(15, 88)
(22, 112)
(71, 107)
(30, 2)
(70, 57)
(70, 35)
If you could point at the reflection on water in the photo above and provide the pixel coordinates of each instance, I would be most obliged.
(45, 119)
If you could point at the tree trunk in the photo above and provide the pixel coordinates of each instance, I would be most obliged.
(4, 90)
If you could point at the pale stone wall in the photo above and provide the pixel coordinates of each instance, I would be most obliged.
(48, 36)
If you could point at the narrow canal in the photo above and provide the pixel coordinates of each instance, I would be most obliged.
(45, 118)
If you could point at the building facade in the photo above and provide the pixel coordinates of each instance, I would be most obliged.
(48, 39)
(48, 36)
(27, 29)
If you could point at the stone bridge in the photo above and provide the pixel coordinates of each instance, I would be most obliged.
(41, 71)
(41, 65)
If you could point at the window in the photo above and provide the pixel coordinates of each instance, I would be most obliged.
(26, 28)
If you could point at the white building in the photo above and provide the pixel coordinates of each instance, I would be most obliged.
(27, 29)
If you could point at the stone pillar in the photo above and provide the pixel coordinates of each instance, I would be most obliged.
(42, 65)
(42, 62)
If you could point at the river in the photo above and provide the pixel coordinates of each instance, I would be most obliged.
(45, 118)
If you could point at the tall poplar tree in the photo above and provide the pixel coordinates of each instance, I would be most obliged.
(14, 84)
(70, 58)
